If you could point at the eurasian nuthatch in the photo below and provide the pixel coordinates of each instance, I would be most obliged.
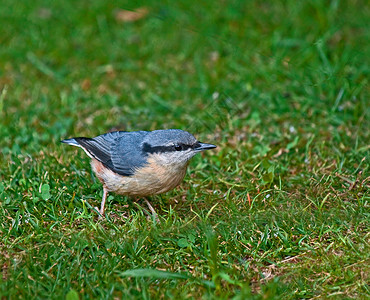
(140, 163)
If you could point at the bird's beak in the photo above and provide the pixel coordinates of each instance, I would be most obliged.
(203, 146)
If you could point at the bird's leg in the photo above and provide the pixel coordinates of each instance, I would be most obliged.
(105, 193)
(101, 211)
(152, 210)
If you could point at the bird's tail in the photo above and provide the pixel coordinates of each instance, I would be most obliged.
(72, 142)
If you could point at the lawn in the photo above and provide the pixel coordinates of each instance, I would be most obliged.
(280, 210)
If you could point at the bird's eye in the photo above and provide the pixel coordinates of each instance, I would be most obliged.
(178, 147)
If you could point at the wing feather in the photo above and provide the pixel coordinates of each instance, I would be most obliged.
(119, 151)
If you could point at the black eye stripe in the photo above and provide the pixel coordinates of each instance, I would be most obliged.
(161, 149)
(179, 147)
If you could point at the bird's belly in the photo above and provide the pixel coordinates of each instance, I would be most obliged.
(149, 180)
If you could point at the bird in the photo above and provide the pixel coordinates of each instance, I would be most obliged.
(140, 163)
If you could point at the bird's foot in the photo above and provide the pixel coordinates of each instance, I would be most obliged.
(154, 213)
(100, 213)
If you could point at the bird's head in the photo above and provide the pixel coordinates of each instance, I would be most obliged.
(173, 146)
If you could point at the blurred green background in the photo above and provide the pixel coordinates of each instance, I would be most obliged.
(279, 210)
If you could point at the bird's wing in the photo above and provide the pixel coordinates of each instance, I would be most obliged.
(119, 151)
(127, 154)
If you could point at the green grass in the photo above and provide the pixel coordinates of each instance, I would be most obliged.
(279, 210)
